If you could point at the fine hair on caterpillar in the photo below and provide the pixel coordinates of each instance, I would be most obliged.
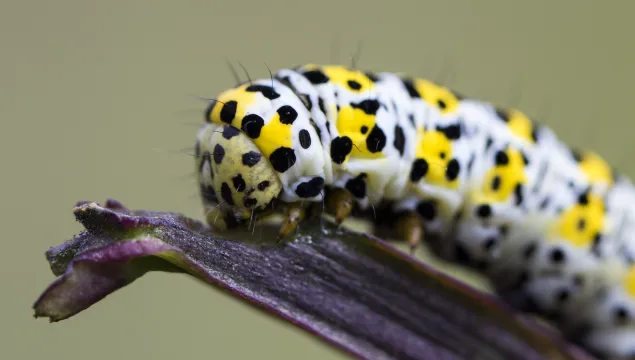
(551, 227)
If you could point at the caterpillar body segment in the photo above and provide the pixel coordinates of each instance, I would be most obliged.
(551, 227)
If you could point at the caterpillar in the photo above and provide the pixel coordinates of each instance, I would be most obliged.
(489, 188)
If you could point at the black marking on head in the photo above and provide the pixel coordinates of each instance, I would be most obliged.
(501, 158)
(252, 125)
(354, 85)
(229, 132)
(364, 129)
(400, 140)
(282, 159)
(287, 114)
(452, 171)
(226, 194)
(266, 91)
(305, 138)
(369, 106)
(219, 154)
(583, 199)
(357, 186)
(376, 140)
(410, 87)
(419, 170)
(263, 185)
(316, 77)
(239, 183)
(341, 146)
(251, 158)
(249, 202)
(484, 211)
(311, 188)
(228, 112)
(427, 209)
(452, 132)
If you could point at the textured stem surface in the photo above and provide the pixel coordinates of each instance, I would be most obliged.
(353, 290)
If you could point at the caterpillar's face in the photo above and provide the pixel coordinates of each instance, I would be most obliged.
(235, 178)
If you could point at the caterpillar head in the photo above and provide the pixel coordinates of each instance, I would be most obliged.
(236, 180)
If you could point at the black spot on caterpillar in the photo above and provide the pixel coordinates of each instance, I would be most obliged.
(508, 202)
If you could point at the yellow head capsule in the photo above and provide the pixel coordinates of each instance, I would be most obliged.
(233, 172)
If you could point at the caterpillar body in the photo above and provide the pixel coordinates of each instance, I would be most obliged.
(550, 226)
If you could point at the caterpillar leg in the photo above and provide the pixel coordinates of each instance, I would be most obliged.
(339, 203)
(294, 213)
(410, 228)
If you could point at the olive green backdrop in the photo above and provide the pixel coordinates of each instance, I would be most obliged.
(97, 97)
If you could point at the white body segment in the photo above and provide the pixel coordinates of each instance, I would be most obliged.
(554, 229)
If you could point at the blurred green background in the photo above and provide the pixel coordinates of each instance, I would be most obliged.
(98, 97)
